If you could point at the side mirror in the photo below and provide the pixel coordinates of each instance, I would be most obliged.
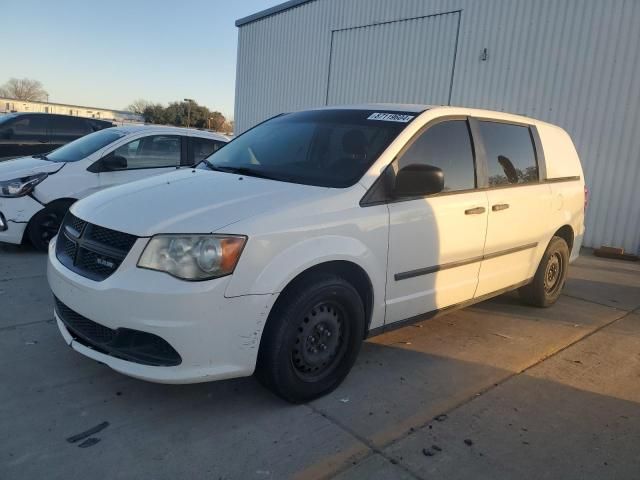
(109, 163)
(418, 180)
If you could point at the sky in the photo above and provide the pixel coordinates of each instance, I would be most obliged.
(108, 54)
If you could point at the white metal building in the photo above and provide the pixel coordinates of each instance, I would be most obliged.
(575, 63)
(8, 105)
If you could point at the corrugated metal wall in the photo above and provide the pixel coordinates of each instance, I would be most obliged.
(575, 63)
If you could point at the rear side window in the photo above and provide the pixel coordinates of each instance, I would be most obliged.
(27, 126)
(203, 147)
(69, 127)
(446, 145)
(96, 125)
(511, 156)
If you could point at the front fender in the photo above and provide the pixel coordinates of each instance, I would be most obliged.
(256, 277)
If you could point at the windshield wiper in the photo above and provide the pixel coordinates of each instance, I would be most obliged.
(242, 171)
(42, 156)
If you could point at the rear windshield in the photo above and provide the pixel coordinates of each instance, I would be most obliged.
(328, 148)
(85, 146)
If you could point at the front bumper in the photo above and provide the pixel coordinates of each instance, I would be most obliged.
(16, 213)
(216, 337)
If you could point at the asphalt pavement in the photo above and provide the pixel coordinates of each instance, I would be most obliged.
(497, 390)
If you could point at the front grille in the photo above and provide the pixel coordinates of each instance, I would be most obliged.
(125, 343)
(76, 224)
(90, 250)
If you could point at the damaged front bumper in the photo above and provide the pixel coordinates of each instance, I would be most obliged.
(189, 331)
(15, 214)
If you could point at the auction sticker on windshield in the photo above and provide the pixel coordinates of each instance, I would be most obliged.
(391, 117)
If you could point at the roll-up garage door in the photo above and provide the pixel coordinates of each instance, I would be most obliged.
(405, 61)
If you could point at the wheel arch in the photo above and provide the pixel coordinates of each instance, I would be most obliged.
(567, 234)
(52, 203)
(345, 269)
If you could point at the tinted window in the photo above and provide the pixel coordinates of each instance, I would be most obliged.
(85, 146)
(510, 152)
(6, 118)
(329, 148)
(26, 126)
(446, 145)
(151, 152)
(96, 125)
(69, 126)
(203, 147)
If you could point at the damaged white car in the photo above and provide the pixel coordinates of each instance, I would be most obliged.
(37, 191)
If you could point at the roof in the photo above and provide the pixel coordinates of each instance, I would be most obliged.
(18, 114)
(271, 11)
(386, 107)
(128, 129)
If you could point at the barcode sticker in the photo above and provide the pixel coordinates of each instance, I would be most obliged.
(391, 117)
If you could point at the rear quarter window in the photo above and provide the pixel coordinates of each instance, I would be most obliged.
(511, 156)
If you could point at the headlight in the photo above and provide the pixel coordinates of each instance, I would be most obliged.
(19, 187)
(193, 257)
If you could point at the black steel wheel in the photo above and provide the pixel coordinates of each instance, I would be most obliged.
(312, 338)
(548, 281)
(320, 342)
(553, 273)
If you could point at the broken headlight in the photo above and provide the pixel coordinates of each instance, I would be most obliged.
(19, 187)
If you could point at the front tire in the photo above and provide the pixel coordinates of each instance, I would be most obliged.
(548, 282)
(312, 338)
(45, 224)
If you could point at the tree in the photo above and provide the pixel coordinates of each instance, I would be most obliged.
(139, 106)
(24, 89)
(177, 113)
(155, 113)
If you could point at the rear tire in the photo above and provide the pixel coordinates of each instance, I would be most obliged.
(45, 224)
(548, 282)
(312, 338)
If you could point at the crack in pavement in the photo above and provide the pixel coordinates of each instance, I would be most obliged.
(373, 448)
(633, 309)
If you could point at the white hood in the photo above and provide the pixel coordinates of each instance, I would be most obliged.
(25, 166)
(188, 201)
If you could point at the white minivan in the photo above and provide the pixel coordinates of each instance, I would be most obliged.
(37, 191)
(291, 244)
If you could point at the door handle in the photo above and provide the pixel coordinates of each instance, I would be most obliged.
(474, 211)
(500, 206)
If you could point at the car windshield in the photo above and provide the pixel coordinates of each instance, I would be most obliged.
(84, 146)
(6, 117)
(328, 148)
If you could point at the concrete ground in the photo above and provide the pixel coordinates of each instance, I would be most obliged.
(498, 390)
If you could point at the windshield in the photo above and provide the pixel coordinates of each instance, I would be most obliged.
(328, 148)
(7, 116)
(85, 146)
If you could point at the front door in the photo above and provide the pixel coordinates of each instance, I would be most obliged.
(519, 207)
(436, 242)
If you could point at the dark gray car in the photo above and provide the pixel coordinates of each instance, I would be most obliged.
(23, 134)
